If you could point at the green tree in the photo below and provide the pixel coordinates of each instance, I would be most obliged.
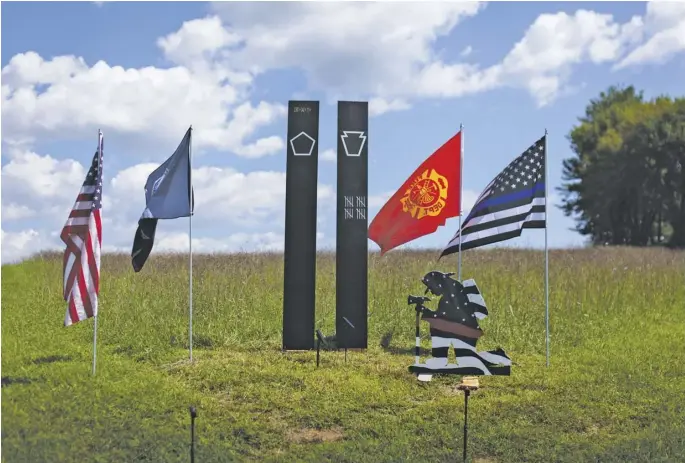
(625, 184)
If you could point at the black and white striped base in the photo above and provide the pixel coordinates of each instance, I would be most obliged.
(469, 362)
(504, 370)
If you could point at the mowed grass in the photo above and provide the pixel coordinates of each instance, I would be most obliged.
(614, 392)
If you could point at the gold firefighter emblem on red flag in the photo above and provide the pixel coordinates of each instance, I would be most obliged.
(426, 196)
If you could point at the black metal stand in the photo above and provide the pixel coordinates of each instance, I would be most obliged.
(348, 326)
(468, 384)
(466, 419)
(193, 414)
(320, 339)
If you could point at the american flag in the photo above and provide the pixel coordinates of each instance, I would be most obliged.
(512, 201)
(83, 236)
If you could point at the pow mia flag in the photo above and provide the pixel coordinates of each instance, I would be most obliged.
(168, 195)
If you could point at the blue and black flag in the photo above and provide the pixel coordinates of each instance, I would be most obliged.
(512, 201)
(168, 195)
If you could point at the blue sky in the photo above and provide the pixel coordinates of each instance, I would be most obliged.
(144, 71)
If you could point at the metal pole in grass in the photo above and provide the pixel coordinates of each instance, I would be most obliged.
(95, 341)
(190, 246)
(546, 257)
(461, 191)
(193, 414)
(349, 323)
(468, 384)
(466, 420)
(319, 339)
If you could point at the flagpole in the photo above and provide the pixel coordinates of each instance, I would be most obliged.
(95, 339)
(546, 256)
(95, 318)
(190, 246)
(461, 191)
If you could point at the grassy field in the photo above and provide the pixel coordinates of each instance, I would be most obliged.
(615, 390)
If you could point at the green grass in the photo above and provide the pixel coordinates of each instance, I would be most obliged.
(615, 390)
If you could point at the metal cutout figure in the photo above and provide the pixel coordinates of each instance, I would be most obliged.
(455, 324)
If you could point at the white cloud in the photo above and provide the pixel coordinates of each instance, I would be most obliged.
(236, 242)
(329, 155)
(541, 61)
(15, 212)
(468, 199)
(398, 63)
(197, 41)
(324, 39)
(665, 26)
(377, 201)
(34, 184)
(17, 245)
(378, 106)
(225, 199)
(159, 103)
(215, 63)
(210, 84)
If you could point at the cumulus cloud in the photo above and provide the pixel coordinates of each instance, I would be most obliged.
(398, 62)
(665, 29)
(18, 245)
(216, 59)
(66, 97)
(39, 185)
(16, 212)
(342, 47)
(212, 66)
(329, 155)
(541, 61)
(236, 242)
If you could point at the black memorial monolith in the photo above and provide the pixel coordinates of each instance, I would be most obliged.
(352, 225)
(300, 225)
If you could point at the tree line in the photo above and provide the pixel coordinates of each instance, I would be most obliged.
(625, 183)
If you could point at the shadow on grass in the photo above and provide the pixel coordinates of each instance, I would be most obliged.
(9, 380)
(52, 359)
(394, 350)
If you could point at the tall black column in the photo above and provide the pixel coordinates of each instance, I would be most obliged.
(300, 225)
(352, 224)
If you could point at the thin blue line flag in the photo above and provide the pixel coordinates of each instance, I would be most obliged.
(512, 201)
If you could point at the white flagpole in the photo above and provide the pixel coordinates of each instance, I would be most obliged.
(461, 192)
(190, 247)
(546, 255)
(95, 318)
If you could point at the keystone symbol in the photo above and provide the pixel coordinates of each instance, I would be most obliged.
(353, 142)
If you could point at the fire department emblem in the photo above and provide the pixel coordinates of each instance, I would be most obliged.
(426, 196)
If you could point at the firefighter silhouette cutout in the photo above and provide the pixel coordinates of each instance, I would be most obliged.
(455, 324)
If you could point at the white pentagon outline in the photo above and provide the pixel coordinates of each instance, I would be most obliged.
(292, 145)
(353, 132)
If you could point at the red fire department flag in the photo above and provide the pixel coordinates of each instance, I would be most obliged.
(424, 202)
